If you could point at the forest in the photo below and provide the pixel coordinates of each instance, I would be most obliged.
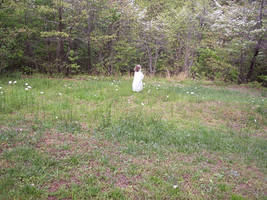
(211, 39)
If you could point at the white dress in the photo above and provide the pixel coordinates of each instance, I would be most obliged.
(137, 85)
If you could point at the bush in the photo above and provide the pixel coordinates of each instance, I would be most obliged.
(210, 65)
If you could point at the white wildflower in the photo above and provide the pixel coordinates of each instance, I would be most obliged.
(26, 89)
(59, 94)
(187, 92)
(9, 82)
(117, 89)
(56, 117)
(15, 82)
(167, 96)
(192, 92)
(32, 184)
(69, 87)
(1, 92)
(41, 92)
(0, 88)
(255, 120)
(142, 104)
(175, 186)
(20, 129)
(26, 84)
(29, 87)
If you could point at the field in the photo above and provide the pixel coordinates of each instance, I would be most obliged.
(93, 138)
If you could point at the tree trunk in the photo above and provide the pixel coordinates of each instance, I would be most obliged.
(60, 45)
(89, 61)
(150, 58)
(241, 68)
(258, 45)
(187, 53)
(90, 28)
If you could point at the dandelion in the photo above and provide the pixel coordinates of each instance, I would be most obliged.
(175, 186)
(41, 92)
(142, 104)
(9, 82)
(59, 94)
(26, 89)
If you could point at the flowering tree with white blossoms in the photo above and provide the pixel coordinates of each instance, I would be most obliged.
(237, 28)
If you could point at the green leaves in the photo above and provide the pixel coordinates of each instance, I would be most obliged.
(56, 34)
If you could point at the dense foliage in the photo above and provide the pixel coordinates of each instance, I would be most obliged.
(221, 39)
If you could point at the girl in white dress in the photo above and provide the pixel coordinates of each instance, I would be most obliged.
(137, 85)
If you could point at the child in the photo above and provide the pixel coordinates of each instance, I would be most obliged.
(137, 85)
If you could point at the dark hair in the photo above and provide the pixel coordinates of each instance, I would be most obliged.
(137, 68)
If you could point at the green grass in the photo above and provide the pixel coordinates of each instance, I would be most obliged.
(93, 138)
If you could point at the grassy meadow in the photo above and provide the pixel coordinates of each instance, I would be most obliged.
(93, 138)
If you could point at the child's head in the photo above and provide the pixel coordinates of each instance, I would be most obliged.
(137, 68)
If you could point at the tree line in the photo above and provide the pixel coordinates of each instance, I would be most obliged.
(214, 39)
